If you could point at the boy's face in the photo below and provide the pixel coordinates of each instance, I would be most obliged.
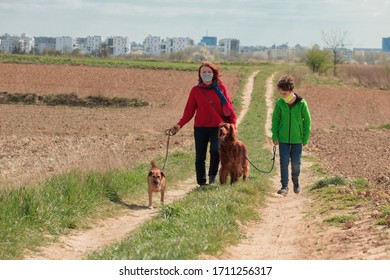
(284, 93)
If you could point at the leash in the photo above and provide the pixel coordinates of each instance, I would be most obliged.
(262, 171)
(169, 134)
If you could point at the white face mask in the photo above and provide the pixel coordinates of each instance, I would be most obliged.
(207, 77)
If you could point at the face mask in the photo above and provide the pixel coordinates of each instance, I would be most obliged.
(289, 98)
(206, 77)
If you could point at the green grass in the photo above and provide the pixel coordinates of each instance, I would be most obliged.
(341, 219)
(203, 222)
(384, 126)
(33, 215)
(325, 182)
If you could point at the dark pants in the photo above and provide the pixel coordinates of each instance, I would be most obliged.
(287, 152)
(204, 135)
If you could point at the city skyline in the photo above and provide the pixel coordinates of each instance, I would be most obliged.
(254, 23)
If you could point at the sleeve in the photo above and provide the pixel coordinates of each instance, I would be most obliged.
(189, 109)
(306, 123)
(276, 115)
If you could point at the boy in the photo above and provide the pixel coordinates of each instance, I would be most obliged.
(291, 125)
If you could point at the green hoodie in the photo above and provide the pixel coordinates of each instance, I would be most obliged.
(291, 125)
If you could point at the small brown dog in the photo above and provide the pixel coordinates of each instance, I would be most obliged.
(233, 155)
(156, 182)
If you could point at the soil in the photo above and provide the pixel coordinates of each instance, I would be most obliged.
(39, 141)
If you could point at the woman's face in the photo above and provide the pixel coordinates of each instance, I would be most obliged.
(206, 73)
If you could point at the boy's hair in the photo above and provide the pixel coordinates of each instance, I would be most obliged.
(286, 83)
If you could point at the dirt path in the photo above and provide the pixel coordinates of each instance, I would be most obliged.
(78, 244)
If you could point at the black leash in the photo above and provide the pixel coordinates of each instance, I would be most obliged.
(273, 162)
(169, 134)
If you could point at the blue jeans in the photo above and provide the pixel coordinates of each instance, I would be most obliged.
(287, 152)
(204, 135)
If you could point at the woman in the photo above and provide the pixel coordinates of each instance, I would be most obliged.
(210, 102)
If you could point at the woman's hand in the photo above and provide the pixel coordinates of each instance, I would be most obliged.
(175, 129)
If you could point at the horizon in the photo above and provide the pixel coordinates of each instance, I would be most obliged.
(254, 23)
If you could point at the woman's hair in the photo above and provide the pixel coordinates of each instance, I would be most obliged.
(216, 74)
(286, 83)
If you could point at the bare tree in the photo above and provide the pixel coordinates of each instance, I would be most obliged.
(336, 41)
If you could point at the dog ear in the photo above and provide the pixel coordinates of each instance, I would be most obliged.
(162, 174)
(150, 173)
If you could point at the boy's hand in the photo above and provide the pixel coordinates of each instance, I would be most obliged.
(276, 142)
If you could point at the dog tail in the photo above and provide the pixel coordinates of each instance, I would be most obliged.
(153, 164)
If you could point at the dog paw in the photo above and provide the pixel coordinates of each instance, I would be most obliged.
(150, 207)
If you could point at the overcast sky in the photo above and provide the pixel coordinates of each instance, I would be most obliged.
(253, 22)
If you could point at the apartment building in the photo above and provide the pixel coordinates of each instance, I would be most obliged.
(65, 44)
(229, 46)
(42, 44)
(93, 44)
(16, 44)
(119, 45)
(172, 45)
(152, 45)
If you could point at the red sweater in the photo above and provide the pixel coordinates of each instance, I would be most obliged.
(199, 105)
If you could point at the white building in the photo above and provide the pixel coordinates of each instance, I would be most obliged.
(229, 46)
(119, 45)
(152, 45)
(93, 44)
(65, 44)
(176, 44)
(16, 44)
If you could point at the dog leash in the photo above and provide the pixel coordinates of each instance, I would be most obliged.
(169, 134)
(262, 171)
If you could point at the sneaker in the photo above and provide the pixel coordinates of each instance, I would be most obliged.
(297, 188)
(283, 191)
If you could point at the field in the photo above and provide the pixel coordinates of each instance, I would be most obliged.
(38, 141)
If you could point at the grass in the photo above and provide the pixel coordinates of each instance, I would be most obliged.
(203, 222)
(33, 215)
(70, 99)
(341, 197)
(384, 126)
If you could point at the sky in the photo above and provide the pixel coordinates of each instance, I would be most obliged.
(253, 22)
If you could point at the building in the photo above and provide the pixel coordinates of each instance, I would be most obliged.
(208, 41)
(93, 44)
(65, 44)
(176, 44)
(386, 44)
(42, 44)
(119, 45)
(229, 46)
(152, 45)
(15, 44)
